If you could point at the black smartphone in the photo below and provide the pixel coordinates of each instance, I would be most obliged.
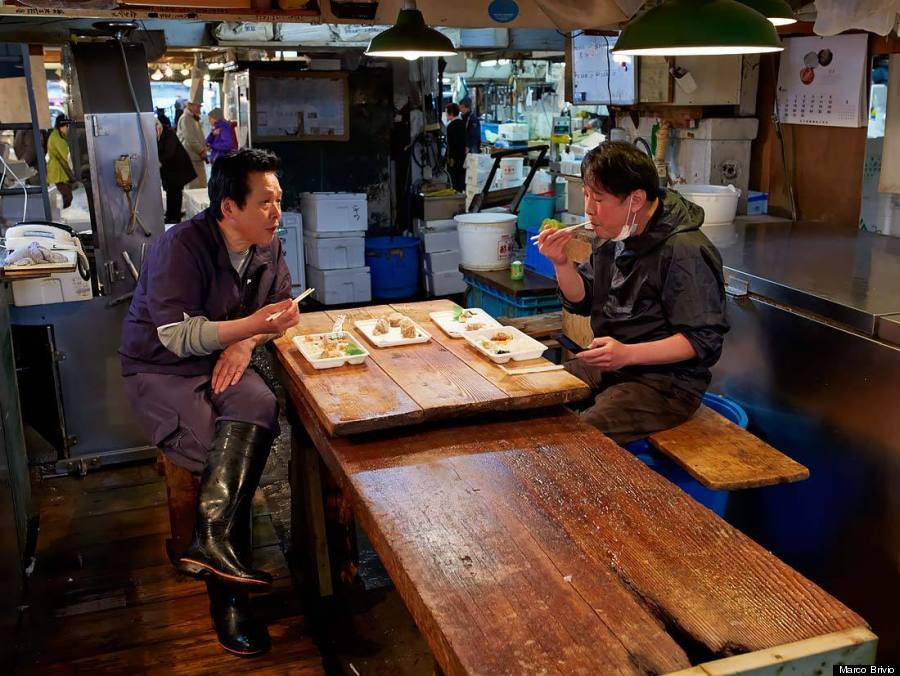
(569, 344)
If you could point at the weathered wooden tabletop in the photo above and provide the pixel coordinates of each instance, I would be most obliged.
(414, 383)
(531, 543)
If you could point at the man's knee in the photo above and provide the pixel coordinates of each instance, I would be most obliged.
(250, 400)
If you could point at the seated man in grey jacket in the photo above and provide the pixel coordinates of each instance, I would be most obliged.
(654, 291)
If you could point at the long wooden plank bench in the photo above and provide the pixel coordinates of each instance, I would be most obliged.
(531, 543)
(724, 456)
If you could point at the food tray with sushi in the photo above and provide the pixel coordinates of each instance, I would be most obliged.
(392, 330)
(330, 350)
(455, 323)
(505, 344)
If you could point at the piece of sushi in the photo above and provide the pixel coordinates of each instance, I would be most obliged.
(407, 328)
(382, 326)
(395, 318)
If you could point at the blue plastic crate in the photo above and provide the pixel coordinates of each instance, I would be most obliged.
(498, 304)
(533, 209)
(715, 500)
(534, 259)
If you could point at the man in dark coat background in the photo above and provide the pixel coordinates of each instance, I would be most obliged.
(175, 169)
(456, 148)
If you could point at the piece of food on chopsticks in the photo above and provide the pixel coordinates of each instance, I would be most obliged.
(550, 224)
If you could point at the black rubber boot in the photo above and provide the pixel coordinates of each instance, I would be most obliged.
(238, 631)
(226, 490)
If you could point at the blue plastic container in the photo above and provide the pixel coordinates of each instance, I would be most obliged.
(716, 501)
(394, 264)
(534, 259)
(498, 304)
(533, 209)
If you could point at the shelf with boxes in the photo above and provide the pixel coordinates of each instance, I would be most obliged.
(335, 240)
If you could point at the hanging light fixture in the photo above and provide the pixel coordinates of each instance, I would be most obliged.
(698, 28)
(169, 72)
(776, 11)
(157, 75)
(410, 37)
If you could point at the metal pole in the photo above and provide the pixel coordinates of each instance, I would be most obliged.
(36, 131)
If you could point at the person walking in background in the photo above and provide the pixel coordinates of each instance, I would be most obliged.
(472, 125)
(179, 111)
(59, 169)
(456, 148)
(163, 118)
(175, 169)
(221, 139)
(191, 136)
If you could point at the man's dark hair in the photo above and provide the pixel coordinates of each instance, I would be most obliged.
(231, 173)
(453, 109)
(61, 121)
(620, 168)
(467, 102)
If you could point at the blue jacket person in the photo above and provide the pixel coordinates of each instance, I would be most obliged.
(198, 311)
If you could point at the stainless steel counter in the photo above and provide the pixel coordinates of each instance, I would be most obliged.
(813, 356)
(852, 278)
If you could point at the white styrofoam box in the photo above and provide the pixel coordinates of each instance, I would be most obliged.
(513, 131)
(334, 211)
(444, 283)
(479, 162)
(292, 239)
(337, 287)
(291, 219)
(442, 261)
(442, 240)
(336, 253)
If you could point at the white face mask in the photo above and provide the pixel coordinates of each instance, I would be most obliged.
(627, 228)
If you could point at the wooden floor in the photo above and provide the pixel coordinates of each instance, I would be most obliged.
(105, 599)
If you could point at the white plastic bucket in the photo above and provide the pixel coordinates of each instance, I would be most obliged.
(719, 202)
(486, 240)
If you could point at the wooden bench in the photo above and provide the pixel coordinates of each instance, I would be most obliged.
(724, 456)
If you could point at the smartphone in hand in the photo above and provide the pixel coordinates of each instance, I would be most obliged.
(569, 344)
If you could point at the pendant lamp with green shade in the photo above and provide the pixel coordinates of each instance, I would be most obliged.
(698, 27)
(410, 37)
(776, 11)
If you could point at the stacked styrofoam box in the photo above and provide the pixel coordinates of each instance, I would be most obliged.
(478, 167)
(291, 235)
(335, 243)
(440, 242)
(513, 132)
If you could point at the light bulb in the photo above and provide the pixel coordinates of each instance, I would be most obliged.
(411, 57)
(157, 75)
(168, 71)
(185, 71)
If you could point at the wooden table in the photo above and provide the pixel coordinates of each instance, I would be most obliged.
(412, 384)
(528, 542)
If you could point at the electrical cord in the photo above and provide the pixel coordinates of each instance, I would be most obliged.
(779, 132)
(7, 168)
(133, 207)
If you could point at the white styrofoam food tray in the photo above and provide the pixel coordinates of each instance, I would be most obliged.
(520, 347)
(457, 328)
(393, 337)
(312, 345)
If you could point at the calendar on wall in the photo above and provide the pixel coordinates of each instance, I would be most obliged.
(823, 81)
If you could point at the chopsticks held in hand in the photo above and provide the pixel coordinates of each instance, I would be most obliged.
(276, 315)
(568, 227)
